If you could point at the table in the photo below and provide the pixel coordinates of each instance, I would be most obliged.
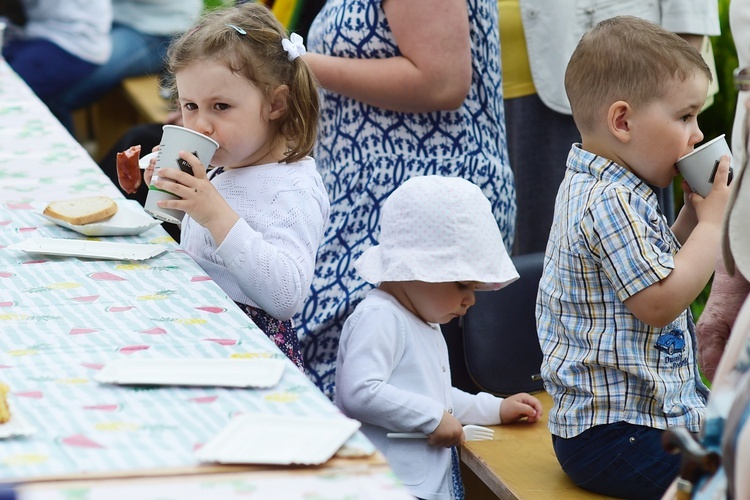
(63, 318)
(350, 483)
(519, 462)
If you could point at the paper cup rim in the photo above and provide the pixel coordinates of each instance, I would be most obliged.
(701, 147)
(165, 127)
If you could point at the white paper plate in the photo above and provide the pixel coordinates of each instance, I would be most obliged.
(278, 439)
(89, 249)
(16, 426)
(193, 372)
(128, 220)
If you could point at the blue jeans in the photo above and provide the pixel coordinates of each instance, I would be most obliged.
(620, 460)
(133, 54)
(46, 68)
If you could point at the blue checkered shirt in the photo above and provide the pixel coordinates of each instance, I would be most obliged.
(609, 240)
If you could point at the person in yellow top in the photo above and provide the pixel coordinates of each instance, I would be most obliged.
(537, 38)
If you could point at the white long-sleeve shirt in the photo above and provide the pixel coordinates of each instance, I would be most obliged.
(80, 27)
(157, 17)
(553, 29)
(268, 258)
(393, 375)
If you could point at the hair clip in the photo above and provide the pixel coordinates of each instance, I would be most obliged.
(237, 29)
(294, 47)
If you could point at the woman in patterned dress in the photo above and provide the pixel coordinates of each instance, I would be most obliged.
(409, 88)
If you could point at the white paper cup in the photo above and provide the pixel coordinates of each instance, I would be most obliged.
(173, 140)
(699, 166)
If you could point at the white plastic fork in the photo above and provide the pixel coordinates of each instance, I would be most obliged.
(472, 433)
(478, 433)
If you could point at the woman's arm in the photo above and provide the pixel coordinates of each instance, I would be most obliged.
(432, 73)
(728, 293)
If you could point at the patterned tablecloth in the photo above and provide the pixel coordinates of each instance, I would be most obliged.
(330, 484)
(63, 318)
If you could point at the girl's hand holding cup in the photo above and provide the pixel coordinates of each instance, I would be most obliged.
(175, 140)
(197, 197)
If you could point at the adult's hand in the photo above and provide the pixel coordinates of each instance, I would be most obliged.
(728, 293)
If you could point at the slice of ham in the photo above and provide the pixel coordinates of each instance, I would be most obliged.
(128, 170)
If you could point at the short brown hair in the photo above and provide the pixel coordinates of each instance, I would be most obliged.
(248, 39)
(626, 58)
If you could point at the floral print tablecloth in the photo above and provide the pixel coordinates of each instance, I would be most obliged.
(63, 318)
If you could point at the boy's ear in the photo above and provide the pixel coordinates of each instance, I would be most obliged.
(278, 102)
(618, 120)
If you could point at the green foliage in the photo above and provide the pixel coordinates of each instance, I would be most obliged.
(213, 4)
(719, 117)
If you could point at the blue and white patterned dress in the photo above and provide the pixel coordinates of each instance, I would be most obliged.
(364, 153)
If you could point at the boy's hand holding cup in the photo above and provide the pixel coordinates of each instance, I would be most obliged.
(175, 139)
(699, 166)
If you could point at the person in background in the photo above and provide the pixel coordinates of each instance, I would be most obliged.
(739, 20)
(408, 89)
(724, 358)
(613, 309)
(63, 42)
(725, 430)
(148, 136)
(140, 32)
(295, 15)
(438, 245)
(728, 292)
(537, 39)
(255, 224)
(13, 19)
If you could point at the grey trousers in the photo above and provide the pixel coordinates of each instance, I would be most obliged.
(539, 140)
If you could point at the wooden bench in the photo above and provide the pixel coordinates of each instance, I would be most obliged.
(143, 94)
(519, 463)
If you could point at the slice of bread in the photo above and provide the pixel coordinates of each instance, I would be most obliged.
(80, 211)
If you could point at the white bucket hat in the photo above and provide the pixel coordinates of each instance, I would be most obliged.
(438, 229)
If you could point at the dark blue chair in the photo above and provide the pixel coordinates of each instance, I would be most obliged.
(495, 348)
(7, 492)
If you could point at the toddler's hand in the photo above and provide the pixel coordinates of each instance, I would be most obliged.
(687, 212)
(520, 406)
(449, 433)
(198, 197)
(711, 208)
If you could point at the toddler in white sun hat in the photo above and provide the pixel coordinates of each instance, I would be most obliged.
(438, 244)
